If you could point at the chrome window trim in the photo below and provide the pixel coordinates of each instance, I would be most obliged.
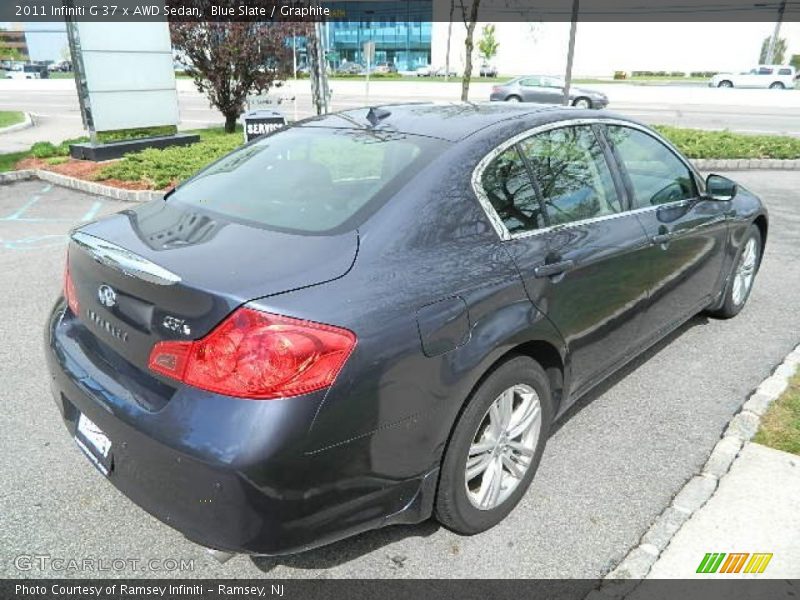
(497, 222)
(124, 260)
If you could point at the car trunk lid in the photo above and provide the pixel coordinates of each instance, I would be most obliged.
(168, 272)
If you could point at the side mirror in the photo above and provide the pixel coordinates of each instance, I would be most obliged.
(720, 188)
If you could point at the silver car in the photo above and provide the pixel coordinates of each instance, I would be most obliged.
(545, 89)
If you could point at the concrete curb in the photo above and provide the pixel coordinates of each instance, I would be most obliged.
(620, 582)
(28, 122)
(90, 187)
(745, 164)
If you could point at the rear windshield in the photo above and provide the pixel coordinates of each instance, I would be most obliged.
(310, 180)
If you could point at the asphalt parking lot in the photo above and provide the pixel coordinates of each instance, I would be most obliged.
(609, 470)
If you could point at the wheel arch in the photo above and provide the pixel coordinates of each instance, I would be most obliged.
(763, 227)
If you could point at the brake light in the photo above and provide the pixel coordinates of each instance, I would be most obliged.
(495, 89)
(253, 354)
(69, 291)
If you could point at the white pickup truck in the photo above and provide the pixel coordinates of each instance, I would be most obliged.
(774, 77)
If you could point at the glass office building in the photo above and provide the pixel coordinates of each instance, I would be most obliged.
(401, 30)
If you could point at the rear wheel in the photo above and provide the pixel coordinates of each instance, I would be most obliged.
(777, 86)
(495, 448)
(725, 84)
(513, 99)
(740, 281)
(582, 103)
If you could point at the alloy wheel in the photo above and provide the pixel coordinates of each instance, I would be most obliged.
(745, 272)
(503, 447)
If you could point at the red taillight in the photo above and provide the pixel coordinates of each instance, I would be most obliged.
(69, 291)
(495, 89)
(253, 354)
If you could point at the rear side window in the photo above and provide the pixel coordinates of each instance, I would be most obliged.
(572, 174)
(784, 72)
(309, 179)
(656, 174)
(507, 184)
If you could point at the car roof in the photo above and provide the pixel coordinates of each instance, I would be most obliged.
(451, 121)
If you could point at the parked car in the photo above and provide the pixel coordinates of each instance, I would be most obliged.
(424, 71)
(774, 77)
(350, 68)
(452, 278)
(65, 66)
(487, 70)
(443, 71)
(385, 68)
(545, 89)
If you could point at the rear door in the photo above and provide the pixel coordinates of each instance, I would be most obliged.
(578, 248)
(688, 233)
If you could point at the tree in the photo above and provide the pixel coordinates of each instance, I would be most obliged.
(780, 51)
(470, 20)
(229, 61)
(488, 44)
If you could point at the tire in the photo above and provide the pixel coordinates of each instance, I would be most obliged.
(725, 84)
(735, 298)
(777, 86)
(582, 103)
(513, 99)
(457, 505)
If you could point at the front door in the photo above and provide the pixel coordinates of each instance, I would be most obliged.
(688, 233)
(579, 250)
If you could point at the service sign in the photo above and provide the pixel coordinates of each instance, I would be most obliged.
(257, 125)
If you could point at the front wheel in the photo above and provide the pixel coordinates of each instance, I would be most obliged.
(740, 281)
(495, 447)
(725, 84)
(582, 103)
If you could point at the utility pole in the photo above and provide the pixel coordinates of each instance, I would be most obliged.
(773, 42)
(571, 52)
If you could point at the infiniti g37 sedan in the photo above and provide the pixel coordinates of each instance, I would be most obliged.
(375, 317)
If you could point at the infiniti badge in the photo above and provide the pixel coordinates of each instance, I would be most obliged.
(106, 295)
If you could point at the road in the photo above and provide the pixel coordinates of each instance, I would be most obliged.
(610, 468)
(55, 104)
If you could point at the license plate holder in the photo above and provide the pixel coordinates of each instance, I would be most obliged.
(94, 443)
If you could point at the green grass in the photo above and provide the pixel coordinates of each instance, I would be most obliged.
(10, 117)
(698, 143)
(780, 426)
(7, 161)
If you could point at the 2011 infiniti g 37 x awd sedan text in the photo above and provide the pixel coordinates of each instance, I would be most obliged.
(375, 316)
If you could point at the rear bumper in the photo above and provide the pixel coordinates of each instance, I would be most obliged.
(230, 474)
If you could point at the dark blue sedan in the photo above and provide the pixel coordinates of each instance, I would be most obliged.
(375, 317)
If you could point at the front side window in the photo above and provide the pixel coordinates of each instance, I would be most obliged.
(656, 174)
(308, 180)
(572, 174)
(765, 71)
(507, 185)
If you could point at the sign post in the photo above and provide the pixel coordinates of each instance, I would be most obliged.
(369, 56)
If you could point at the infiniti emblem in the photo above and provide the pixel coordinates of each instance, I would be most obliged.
(106, 295)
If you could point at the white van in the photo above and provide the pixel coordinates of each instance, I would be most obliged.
(774, 77)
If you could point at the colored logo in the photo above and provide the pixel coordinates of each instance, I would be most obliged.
(735, 562)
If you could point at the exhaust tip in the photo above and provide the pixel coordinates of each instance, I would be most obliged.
(220, 555)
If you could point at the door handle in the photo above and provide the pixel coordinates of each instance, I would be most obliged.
(661, 238)
(556, 268)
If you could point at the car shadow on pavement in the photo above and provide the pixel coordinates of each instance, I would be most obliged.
(603, 387)
(349, 549)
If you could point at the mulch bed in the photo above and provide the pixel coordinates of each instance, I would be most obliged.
(81, 169)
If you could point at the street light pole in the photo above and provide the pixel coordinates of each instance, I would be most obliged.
(571, 52)
(773, 42)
